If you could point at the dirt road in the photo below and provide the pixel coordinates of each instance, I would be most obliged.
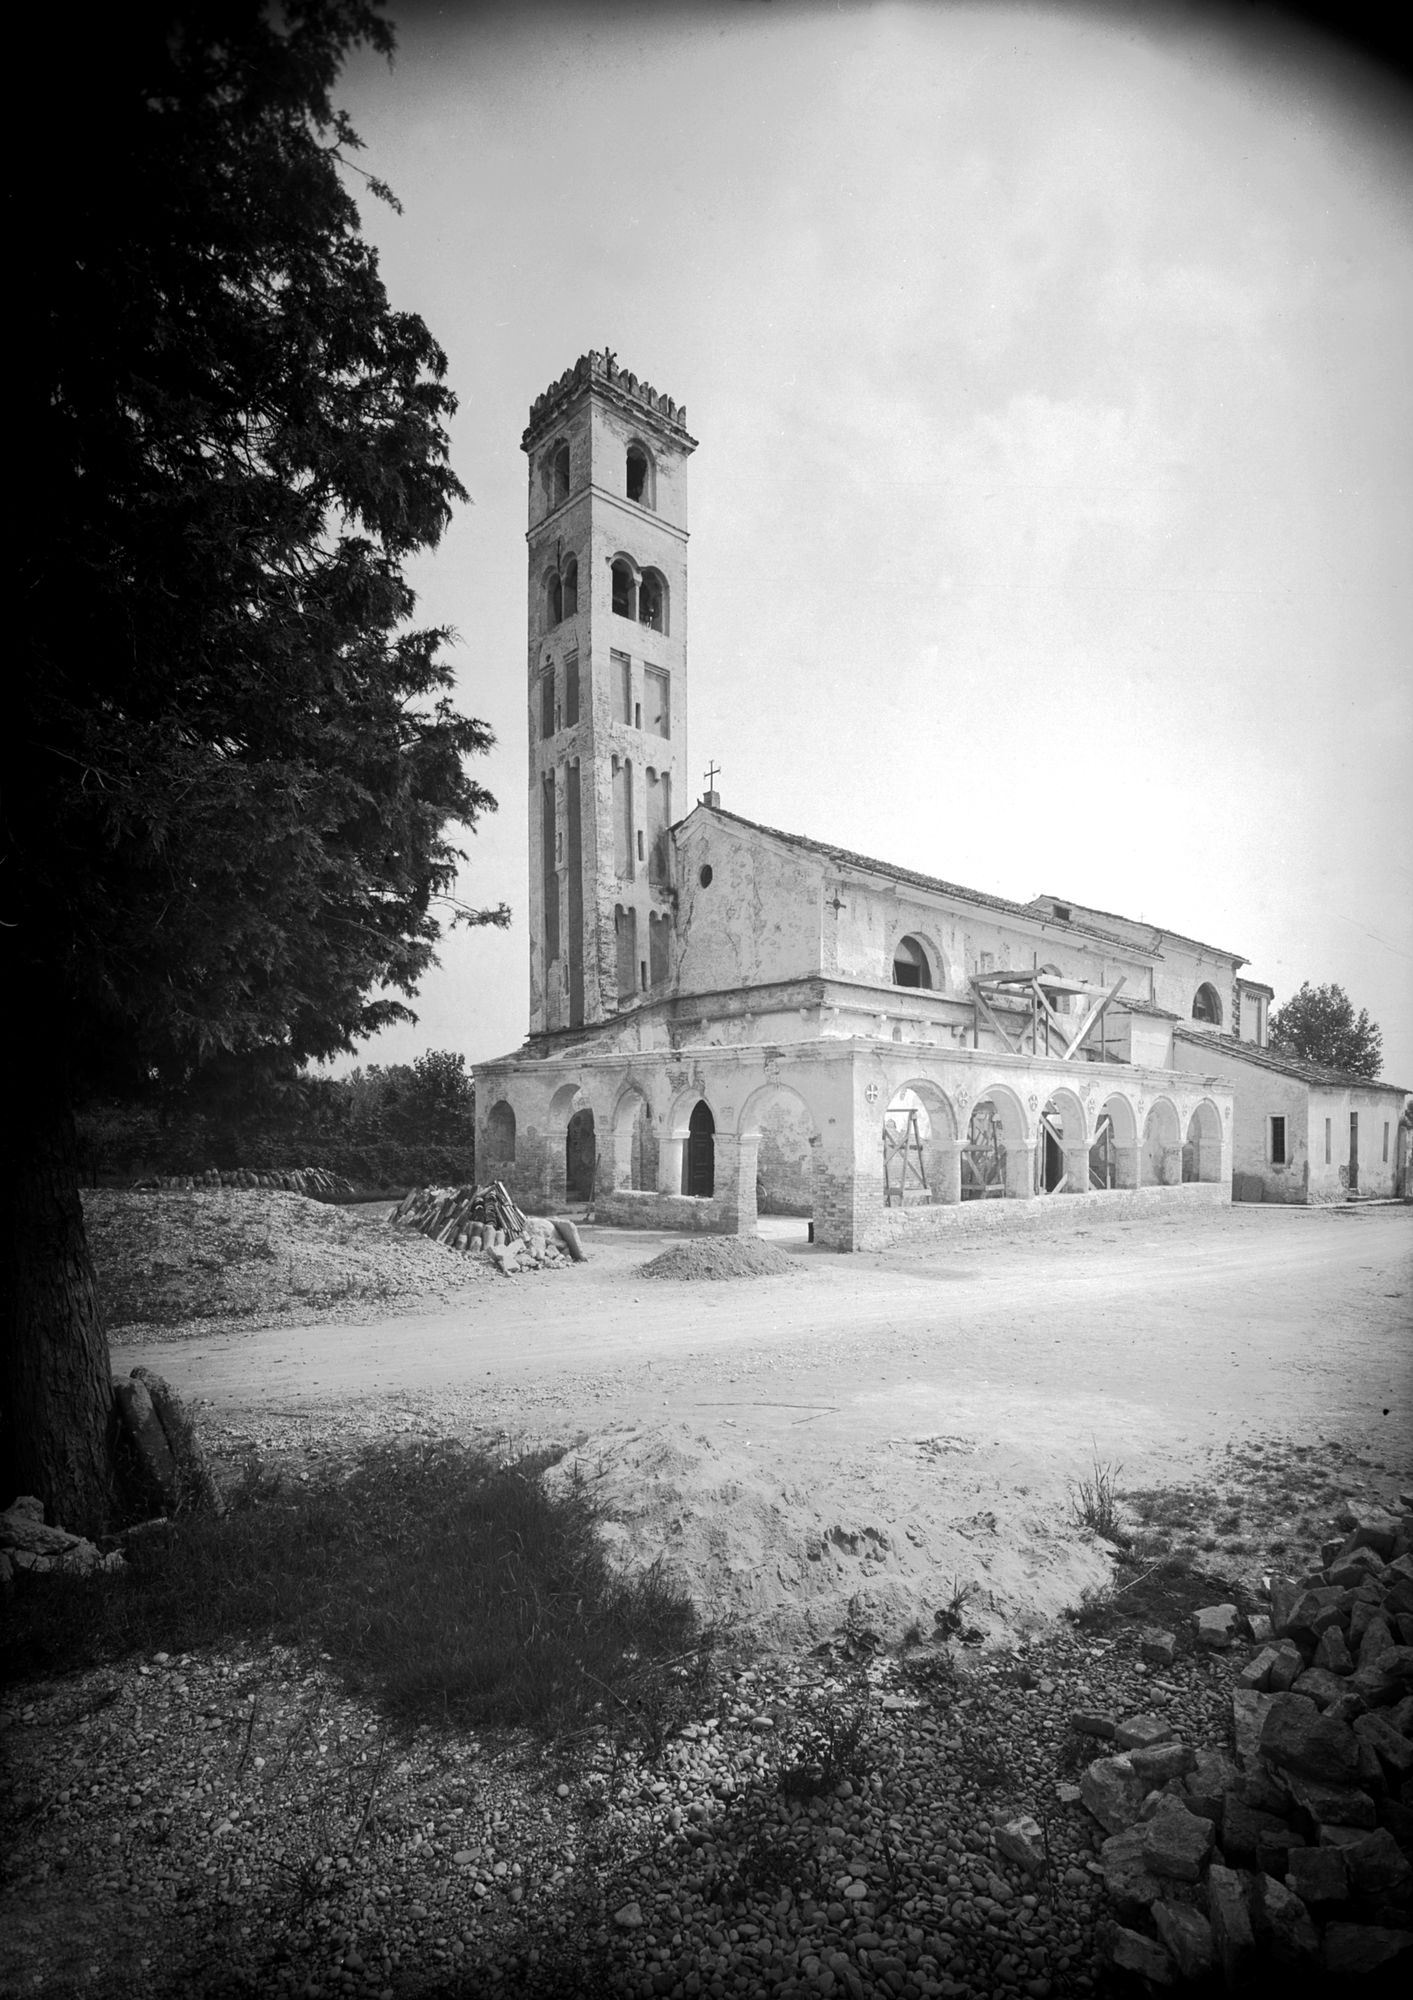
(876, 1431)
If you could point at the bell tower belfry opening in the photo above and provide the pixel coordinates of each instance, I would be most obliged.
(607, 688)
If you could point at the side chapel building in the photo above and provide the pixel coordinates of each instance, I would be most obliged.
(725, 1017)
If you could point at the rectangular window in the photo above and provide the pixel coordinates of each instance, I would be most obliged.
(547, 703)
(1385, 1138)
(622, 675)
(571, 690)
(1278, 1142)
(1329, 1139)
(657, 692)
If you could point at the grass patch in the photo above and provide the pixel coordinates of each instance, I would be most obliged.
(835, 1743)
(445, 1586)
(1094, 1502)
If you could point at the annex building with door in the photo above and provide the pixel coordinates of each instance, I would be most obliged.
(726, 1017)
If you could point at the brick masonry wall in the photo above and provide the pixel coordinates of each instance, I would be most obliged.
(1058, 1212)
(630, 1208)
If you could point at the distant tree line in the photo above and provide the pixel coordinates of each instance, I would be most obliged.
(393, 1125)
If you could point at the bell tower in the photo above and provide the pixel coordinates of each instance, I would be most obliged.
(607, 688)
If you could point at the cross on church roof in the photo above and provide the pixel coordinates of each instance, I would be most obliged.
(712, 774)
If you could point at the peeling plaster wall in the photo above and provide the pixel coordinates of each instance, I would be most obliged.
(757, 920)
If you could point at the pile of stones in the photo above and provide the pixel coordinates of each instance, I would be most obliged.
(1286, 1855)
(29, 1542)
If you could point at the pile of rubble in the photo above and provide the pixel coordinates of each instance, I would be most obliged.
(165, 1467)
(1287, 1855)
(28, 1542)
(484, 1221)
(316, 1182)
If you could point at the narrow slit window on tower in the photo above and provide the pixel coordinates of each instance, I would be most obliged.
(570, 575)
(547, 702)
(571, 690)
(557, 483)
(622, 668)
(639, 476)
(554, 608)
(657, 694)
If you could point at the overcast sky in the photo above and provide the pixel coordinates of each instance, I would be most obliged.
(1052, 521)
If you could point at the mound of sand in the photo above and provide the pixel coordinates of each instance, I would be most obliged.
(713, 1257)
(777, 1541)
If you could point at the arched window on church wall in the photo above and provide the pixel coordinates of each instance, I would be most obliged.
(1207, 1005)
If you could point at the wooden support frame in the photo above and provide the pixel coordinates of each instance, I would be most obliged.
(1037, 987)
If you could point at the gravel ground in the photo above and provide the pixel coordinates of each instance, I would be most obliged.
(211, 1826)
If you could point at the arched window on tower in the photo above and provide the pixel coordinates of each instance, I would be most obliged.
(569, 575)
(639, 475)
(554, 602)
(625, 590)
(556, 474)
(1207, 1005)
(910, 966)
(652, 601)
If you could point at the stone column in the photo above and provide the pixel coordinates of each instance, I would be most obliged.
(1077, 1169)
(734, 1181)
(945, 1171)
(1170, 1167)
(669, 1165)
(552, 1176)
(1126, 1163)
(620, 1158)
(1020, 1170)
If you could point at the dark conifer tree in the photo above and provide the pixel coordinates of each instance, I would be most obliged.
(231, 763)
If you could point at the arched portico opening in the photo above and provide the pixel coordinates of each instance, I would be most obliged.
(1113, 1155)
(1202, 1149)
(996, 1156)
(699, 1153)
(580, 1156)
(635, 1147)
(921, 1153)
(1062, 1148)
(1160, 1163)
(777, 1142)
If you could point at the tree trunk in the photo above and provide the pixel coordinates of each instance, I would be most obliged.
(56, 1392)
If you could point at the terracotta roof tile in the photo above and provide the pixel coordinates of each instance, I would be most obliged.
(1287, 1065)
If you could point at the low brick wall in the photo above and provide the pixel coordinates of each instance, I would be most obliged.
(644, 1208)
(1058, 1212)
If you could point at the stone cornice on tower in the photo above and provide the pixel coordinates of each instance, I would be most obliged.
(616, 385)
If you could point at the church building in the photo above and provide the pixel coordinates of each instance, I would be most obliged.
(726, 1018)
